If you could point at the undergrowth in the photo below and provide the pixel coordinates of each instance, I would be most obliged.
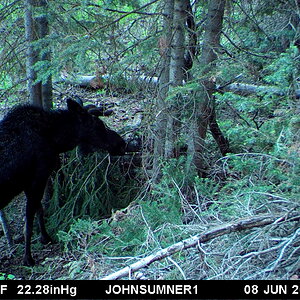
(240, 185)
(108, 221)
(90, 186)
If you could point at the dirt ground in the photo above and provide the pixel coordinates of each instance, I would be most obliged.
(11, 260)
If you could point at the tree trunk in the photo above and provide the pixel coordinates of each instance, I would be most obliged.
(192, 42)
(206, 111)
(36, 28)
(211, 44)
(176, 75)
(43, 27)
(217, 134)
(163, 86)
(177, 44)
(31, 35)
(171, 48)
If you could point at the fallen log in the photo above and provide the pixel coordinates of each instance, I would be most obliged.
(235, 87)
(244, 89)
(99, 81)
(248, 89)
(238, 225)
(85, 81)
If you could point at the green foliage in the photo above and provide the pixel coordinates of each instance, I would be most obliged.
(140, 229)
(44, 71)
(165, 209)
(83, 38)
(92, 186)
(5, 276)
(257, 183)
(250, 127)
(252, 184)
(5, 82)
(260, 176)
(283, 70)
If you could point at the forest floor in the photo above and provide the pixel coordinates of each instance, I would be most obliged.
(127, 116)
(241, 255)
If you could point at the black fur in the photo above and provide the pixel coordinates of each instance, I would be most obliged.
(30, 142)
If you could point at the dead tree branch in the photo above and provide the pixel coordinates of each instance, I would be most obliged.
(241, 224)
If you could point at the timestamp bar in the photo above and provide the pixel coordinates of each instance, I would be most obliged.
(149, 289)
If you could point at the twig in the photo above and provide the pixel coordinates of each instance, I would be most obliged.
(126, 15)
(126, 12)
(241, 224)
(287, 243)
(6, 229)
(246, 51)
(177, 266)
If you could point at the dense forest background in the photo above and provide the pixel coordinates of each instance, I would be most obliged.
(210, 89)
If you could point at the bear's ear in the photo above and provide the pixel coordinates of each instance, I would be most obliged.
(74, 106)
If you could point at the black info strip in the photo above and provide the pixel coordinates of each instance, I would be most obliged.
(148, 289)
